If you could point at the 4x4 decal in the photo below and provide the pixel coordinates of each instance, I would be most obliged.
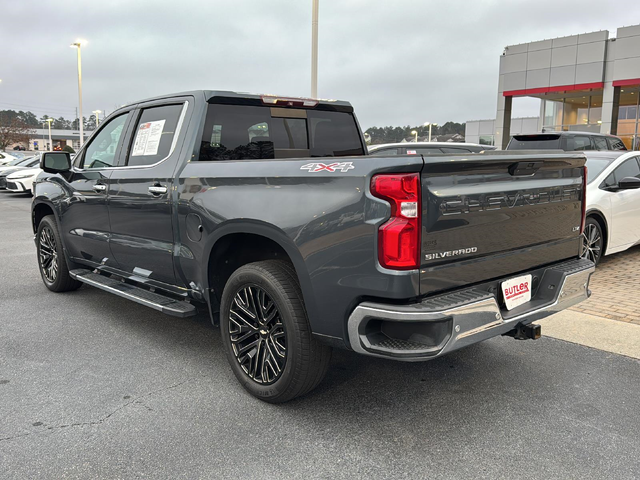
(332, 167)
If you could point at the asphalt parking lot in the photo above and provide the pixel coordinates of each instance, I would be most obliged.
(93, 386)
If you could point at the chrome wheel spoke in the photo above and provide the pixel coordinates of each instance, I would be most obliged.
(48, 255)
(257, 335)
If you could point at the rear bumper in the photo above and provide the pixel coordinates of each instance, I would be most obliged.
(448, 322)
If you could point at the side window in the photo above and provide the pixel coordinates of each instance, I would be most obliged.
(601, 143)
(459, 150)
(610, 181)
(577, 143)
(154, 134)
(101, 152)
(384, 152)
(616, 144)
(629, 168)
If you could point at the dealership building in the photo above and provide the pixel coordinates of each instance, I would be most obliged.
(587, 82)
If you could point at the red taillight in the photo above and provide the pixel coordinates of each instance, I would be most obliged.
(584, 200)
(399, 238)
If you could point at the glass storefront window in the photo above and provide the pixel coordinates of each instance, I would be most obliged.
(552, 112)
(628, 112)
(576, 113)
(486, 140)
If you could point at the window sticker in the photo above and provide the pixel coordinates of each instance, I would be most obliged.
(148, 138)
(411, 152)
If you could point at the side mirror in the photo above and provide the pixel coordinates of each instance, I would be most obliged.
(629, 183)
(55, 162)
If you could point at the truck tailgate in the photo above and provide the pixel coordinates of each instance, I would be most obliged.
(494, 215)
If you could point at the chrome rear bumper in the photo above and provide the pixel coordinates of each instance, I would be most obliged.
(445, 323)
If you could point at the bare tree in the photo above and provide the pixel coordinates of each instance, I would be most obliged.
(13, 130)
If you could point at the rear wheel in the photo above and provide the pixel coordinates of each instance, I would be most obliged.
(266, 333)
(592, 241)
(51, 261)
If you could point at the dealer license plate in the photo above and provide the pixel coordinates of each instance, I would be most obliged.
(516, 291)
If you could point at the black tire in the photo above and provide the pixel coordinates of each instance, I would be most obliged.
(51, 260)
(592, 241)
(251, 346)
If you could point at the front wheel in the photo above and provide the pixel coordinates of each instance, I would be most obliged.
(51, 261)
(592, 241)
(266, 334)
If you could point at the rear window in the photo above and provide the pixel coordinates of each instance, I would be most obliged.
(535, 142)
(239, 132)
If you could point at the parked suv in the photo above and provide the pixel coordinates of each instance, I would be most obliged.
(567, 141)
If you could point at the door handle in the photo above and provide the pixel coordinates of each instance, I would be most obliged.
(157, 190)
(99, 188)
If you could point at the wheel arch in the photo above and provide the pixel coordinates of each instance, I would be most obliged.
(604, 225)
(239, 242)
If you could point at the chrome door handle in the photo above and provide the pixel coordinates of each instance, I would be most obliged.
(98, 187)
(157, 190)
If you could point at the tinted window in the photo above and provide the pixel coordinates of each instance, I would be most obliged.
(610, 181)
(535, 142)
(595, 166)
(601, 143)
(616, 144)
(459, 150)
(235, 132)
(577, 143)
(384, 152)
(424, 151)
(154, 134)
(101, 152)
(629, 168)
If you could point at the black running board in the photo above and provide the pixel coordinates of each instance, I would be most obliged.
(139, 295)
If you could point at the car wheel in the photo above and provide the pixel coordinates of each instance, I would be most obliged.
(51, 260)
(592, 241)
(266, 333)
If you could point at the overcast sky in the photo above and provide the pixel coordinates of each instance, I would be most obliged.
(398, 62)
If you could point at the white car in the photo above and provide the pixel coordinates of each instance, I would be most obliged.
(613, 203)
(6, 158)
(22, 181)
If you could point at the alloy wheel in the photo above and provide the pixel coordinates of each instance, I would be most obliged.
(48, 255)
(591, 243)
(257, 335)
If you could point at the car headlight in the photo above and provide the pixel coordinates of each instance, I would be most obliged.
(20, 177)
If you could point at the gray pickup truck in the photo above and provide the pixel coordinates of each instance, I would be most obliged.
(267, 212)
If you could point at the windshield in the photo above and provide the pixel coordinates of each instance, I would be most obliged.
(15, 162)
(535, 142)
(24, 162)
(595, 166)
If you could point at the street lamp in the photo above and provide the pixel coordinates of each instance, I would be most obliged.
(78, 44)
(414, 132)
(314, 48)
(97, 114)
(427, 124)
(49, 120)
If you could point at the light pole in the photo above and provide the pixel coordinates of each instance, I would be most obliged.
(427, 124)
(314, 49)
(415, 132)
(78, 45)
(49, 120)
(97, 114)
